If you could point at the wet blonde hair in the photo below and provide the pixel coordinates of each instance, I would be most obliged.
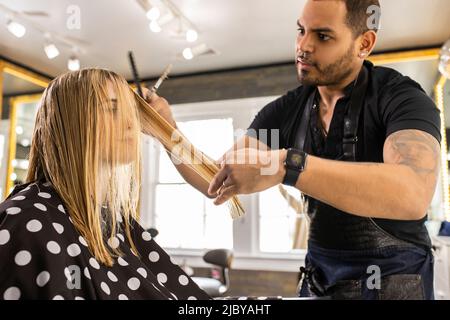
(77, 147)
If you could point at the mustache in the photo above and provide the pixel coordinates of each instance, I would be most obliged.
(305, 59)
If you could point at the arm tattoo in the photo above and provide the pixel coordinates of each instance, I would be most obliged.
(416, 149)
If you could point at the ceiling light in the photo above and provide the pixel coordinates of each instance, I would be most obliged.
(153, 13)
(187, 54)
(154, 26)
(190, 53)
(73, 64)
(16, 29)
(51, 51)
(19, 130)
(25, 142)
(165, 19)
(191, 35)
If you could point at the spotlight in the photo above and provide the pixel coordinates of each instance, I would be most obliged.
(191, 35)
(153, 13)
(16, 29)
(73, 64)
(190, 53)
(51, 51)
(155, 27)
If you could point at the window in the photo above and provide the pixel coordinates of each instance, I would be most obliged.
(184, 217)
(277, 221)
(186, 220)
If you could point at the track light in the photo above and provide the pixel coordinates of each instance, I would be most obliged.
(73, 64)
(191, 35)
(51, 51)
(153, 14)
(16, 28)
(156, 25)
(190, 53)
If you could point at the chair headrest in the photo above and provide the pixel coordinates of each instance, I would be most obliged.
(219, 257)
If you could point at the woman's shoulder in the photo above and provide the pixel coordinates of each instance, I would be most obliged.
(33, 206)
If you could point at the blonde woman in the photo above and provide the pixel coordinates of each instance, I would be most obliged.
(70, 232)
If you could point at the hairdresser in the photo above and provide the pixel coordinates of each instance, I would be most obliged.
(362, 143)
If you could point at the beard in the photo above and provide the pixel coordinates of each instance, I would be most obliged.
(328, 75)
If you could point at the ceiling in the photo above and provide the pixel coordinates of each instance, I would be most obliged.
(244, 33)
(16, 86)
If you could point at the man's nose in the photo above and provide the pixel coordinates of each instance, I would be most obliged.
(304, 44)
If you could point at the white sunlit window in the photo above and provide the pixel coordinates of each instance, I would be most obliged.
(184, 217)
(188, 222)
(277, 221)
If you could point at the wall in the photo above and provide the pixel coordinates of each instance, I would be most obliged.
(234, 84)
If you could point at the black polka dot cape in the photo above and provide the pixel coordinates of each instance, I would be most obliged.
(42, 256)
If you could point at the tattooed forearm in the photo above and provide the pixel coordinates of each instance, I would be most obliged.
(416, 149)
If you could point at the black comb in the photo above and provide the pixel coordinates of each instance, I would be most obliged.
(137, 80)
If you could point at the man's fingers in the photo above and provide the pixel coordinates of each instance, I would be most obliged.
(149, 96)
(217, 181)
(225, 194)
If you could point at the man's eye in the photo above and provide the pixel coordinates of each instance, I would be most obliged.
(324, 37)
(301, 31)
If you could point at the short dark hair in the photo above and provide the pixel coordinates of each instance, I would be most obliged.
(358, 16)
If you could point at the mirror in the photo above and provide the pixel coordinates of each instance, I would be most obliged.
(21, 91)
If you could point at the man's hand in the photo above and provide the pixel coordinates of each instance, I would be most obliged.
(247, 171)
(160, 105)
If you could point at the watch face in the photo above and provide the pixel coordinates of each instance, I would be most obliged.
(296, 160)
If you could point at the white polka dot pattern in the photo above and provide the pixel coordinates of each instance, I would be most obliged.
(59, 228)
(13, 210)
(112, 276)
(133, 284)
(43, 278)
(44, 195)
(4, 237)
(12, 293)
(49, 254)
(162, 278)
(153, 256)
(22, 258)
(146, 236)
(53, 247)
(73, 250)
(40, 206)
(34, 225)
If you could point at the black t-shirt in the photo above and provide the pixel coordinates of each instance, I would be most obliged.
(393, 102)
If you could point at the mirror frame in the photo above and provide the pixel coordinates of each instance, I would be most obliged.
(439, 100)
(29, 76)
(422, 55)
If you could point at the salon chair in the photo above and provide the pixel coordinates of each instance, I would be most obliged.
(219, 283)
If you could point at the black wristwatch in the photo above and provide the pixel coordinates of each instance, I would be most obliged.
(295, 164)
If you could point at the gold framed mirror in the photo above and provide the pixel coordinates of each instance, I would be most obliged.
(21, 90)
(423, 67)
